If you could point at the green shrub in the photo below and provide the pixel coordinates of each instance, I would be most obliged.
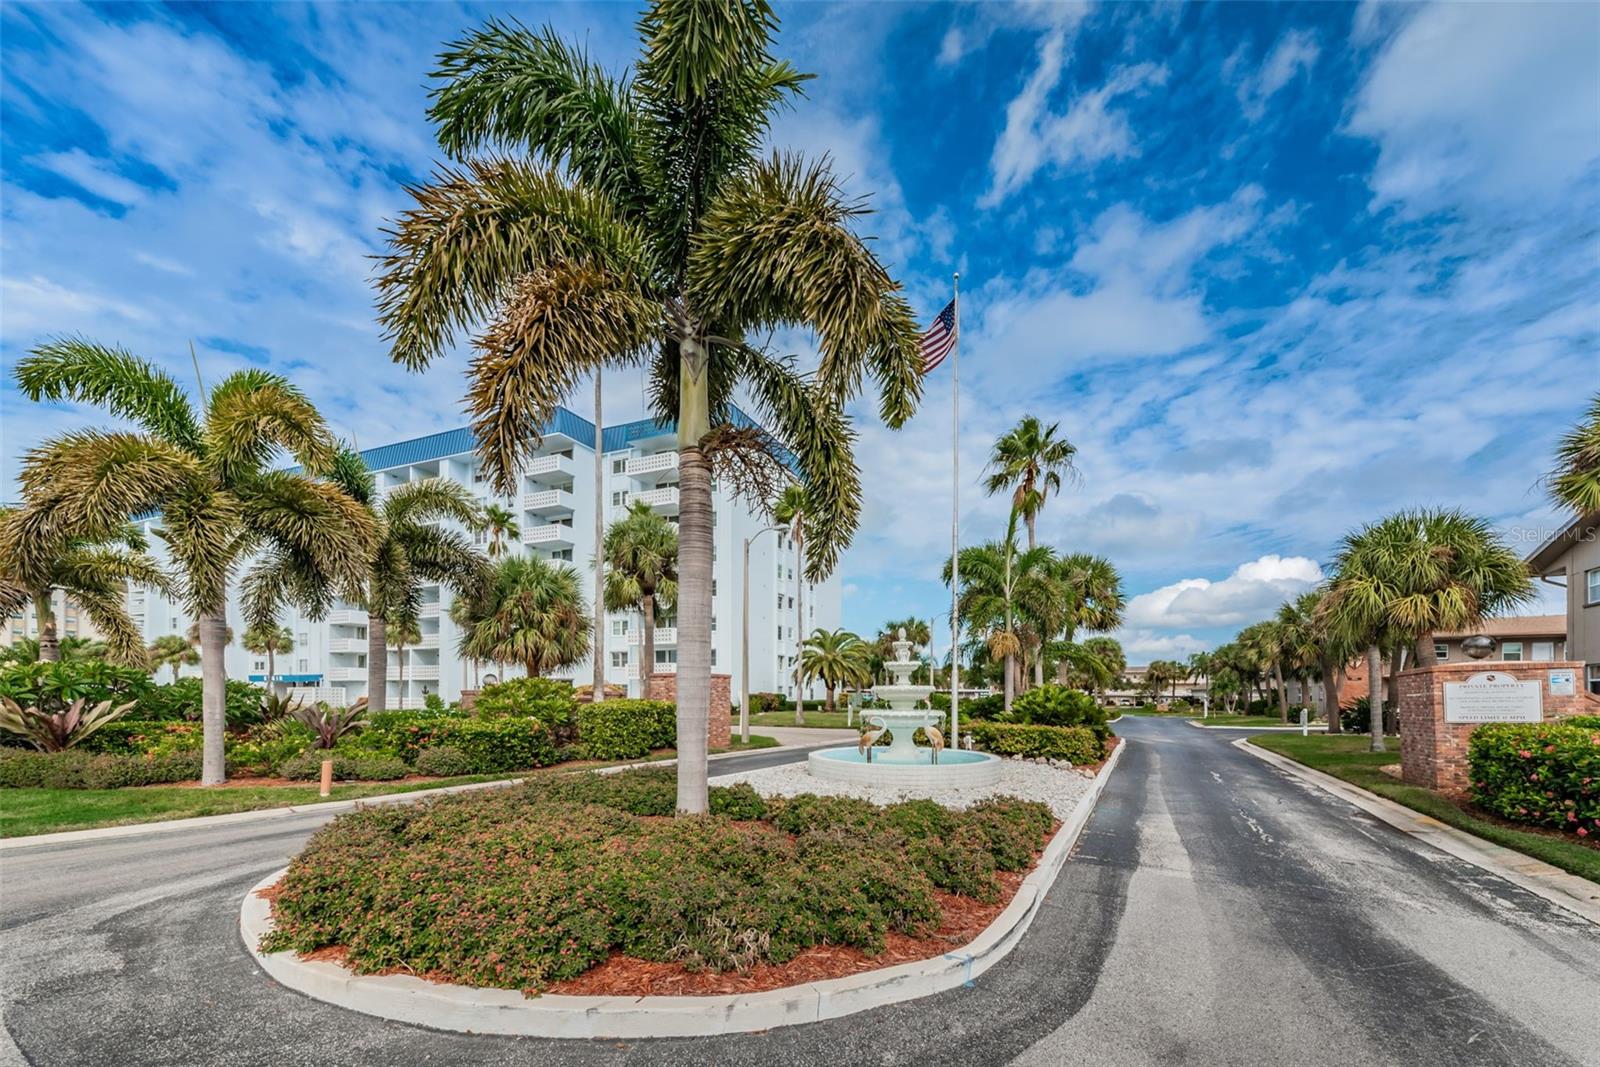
(916, 819)
(983, 708)
(737, 801)
(808, 811)
(1546, 774)
(1588, 722)
(308, 767)
(958, 863)
(263, 756)
(442, 761)
(939, 702)
(1013, 830)
(545, 700)
(626, 729)
(80, 770)
(182, 700)
(1180, 707)
(54, 685)
(433, 702)
(1056, 705)
(1075, 744)
(761, 702)
(513, 743)
(138, 737)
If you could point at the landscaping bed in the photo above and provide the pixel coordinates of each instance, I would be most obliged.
(585, 884)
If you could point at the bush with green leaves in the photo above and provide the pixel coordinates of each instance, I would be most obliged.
(265, 754)
(52, 686)
(1546, 774)
(181, 700)
(1588, 722)
(21, 769)
(764, 702)
(346, 768)
(1057, 705)
(976, 709)
(443, 761)
(1078, 745)
(626, 729)
(141, 737)
(1180, 707)
(548, 701)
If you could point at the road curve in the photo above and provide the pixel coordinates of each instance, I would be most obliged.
(1216, 911)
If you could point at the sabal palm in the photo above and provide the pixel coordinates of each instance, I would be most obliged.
(170, 650)
(37, 558)
(502, 526)
(269, 641)
(1031, 461)
(1326, 649)
(641, 564)
(1576, 480)
(836, 657)
(532, 612)
(1264, 642)
(208, 472)
(791, 509)
(1107, 662)
(634, 222)
(1002, 592)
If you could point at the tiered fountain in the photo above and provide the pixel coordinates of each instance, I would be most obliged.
(903, 762)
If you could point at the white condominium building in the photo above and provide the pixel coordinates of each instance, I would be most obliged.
(555, 510)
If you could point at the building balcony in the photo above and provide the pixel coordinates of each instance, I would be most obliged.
(428, 609)
(548, 502)
(347, 617)
(346, 674)
(661, 501)
(549, 470)
(347, 644)
(550, 535)
(416, 672)
(428, 641)
(661, 668)
(652, 468)
(665, 635)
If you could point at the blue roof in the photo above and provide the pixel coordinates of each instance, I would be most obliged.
(287, 677)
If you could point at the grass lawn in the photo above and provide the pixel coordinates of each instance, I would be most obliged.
(816, 717)
(43, 811)
(1346, 756)
(1112, 713)
(1251, 720)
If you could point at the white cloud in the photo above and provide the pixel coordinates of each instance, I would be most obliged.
(1088, 132)
(1483, 102)
(952, 47)
(94, 175)
(1295, 52)
(1139, 647)
(1252, 592)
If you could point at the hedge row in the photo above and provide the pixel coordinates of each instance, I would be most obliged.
(1546, 774)
(23, 769)
(626, 729)
(1077, 745)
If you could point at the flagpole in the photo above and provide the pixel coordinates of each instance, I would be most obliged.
(955, 525)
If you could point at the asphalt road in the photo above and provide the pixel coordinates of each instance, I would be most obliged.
(1215, 912)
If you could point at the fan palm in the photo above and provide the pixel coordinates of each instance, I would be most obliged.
(531, 612)
(37, 558)
(1576, 480)
(270, 641)
(836, 657)
(170, 650)
(1093, 602)
(1265, 643)
(1322, 646)
(1031, 461)
(634, 221)
(1107, 653)
(790, 509)
(207, 472)
(501, 526)
(641, 561)
(1002, 590)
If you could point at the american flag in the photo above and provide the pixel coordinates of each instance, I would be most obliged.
(940, 339)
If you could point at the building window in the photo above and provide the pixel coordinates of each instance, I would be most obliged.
(618, 466)
(1592, 579)
(619, 659)
(304, 666)
(619, 627)
(302, 638)
(1543, 650)
(1511, 651)
(260, 665)
(666, 655)
(1441, 651)
(713, 657)
(564, 555)
(1594, 678)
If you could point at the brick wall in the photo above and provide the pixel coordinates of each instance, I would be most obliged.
(1433, 753)
(665, 687)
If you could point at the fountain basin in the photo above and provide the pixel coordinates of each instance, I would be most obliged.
(956, 769)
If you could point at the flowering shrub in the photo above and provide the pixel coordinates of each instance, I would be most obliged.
(626, 729)
(523, 888)
(1075, 744)
(1547, 774)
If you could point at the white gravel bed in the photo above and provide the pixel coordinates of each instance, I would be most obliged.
(1060, 787)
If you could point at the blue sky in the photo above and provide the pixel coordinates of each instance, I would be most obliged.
(1276, 269)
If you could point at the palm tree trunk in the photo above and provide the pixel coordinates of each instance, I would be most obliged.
(377, 663)
(214, 696)
(648, 667)
(1010, 678)
(799, 617)
(1375, 696)
(694, 614)
(272, 669)
(832, 704)
(1283, 693)
(599, 557)
(400, 673)
(1391, 716)
(49, 644)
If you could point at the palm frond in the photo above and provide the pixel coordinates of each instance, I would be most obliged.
(350, 472)
(89, 482)
(1576, 480)
(130, 388)
(252, 414)
(314, 518)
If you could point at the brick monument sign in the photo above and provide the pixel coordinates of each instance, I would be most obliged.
(719, 734)
(1440, 706)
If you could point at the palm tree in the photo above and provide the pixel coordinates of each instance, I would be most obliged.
(530, 612)
(1107, 651)
(208, 471)
(1264, 643)
(633, 221)
(409, 549)
(1576, 480)
(1031, 461)
(270, 641)
(1002, 591)
(170, 650)
(641, 560)
(501, 526)
(37, 558)
(400, 632)
(1094, 602)
(837, 657)
(790, 509)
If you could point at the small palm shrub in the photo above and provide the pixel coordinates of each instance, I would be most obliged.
(548, 701)
(1057, 705)
(57, 731)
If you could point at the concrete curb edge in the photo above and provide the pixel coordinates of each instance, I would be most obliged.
(1577, 895)
(1198, 724)
(499, 1011)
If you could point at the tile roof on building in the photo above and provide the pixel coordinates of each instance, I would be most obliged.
(1516, 626)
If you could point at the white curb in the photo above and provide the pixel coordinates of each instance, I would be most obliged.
(1314, 728)
(503, 1011)
(1577, 895)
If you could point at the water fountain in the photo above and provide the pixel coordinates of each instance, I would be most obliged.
(903, 762)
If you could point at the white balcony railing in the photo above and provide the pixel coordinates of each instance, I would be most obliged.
(549, 533)
(428, 641)
(549, 468)
(661, 668)
(347, 644)
(428, 608)
(665, 635)
(346, 674)
(547, 500)
(661, 461)
(347, 617)
(660, 499)
(416, 672)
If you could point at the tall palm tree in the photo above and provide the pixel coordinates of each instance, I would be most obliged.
(836, 657)
(208, 471)
(1002, 592)
(641, 560)
(170, 650)
(409, 548)
(1107, 651)
(1030, 461)
(1576, 480)
(790, 509)
(1093, 602)
(531, 612)
(1265, 643)
(599, 221)
(401, 632)
(501, 526)
(269, 641)
(37, 558)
